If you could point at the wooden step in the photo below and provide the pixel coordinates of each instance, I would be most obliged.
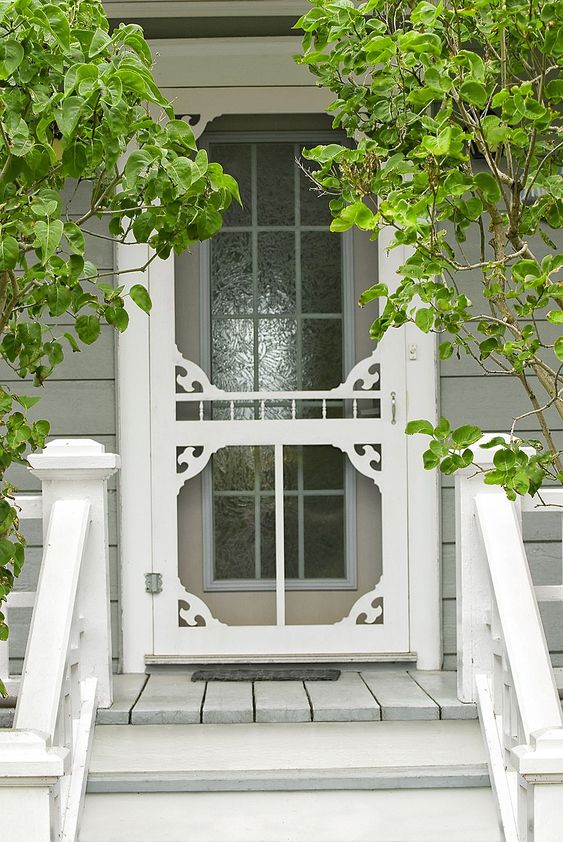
(438, 815)
(275, 757)
(171, 698)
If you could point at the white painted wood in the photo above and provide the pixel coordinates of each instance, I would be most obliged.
(442, 687)
(29, 770)
(169, 698)
(281, 701)
(229, 62)
(399, 696)
(228, 701)
(280, 528)
(126, 690)
(149, 750)
(50, 633)
(80, 761)
(345, 700)
(30, 506)
(522, 630)
(135, 522)
(497, 771)
(77, 470)
(454, 815)
(203, 8)
(473, 604)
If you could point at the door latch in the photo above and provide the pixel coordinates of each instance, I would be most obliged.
(393, 407)
(153, 582)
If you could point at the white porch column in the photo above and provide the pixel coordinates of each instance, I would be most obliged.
(78, 469)
(29, 774)
(473, 587)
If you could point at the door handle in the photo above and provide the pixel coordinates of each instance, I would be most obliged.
(393, 407)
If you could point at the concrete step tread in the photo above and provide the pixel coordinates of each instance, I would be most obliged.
(439, 815)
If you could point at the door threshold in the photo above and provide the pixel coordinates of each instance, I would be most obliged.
(188, 660)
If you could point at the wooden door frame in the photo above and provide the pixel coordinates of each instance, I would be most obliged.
(137, 555)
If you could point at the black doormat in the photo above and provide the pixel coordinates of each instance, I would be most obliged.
(265, 674)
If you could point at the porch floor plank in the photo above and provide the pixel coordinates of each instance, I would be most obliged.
(169, 699)
(228, 702)
(126, 690)
(399, 696)
(281, 701)
(442, 687)
(345, 700)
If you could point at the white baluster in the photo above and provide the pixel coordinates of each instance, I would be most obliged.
(293, 410)
(324, 408)
(262, 409)
(355, 408)
(232, 406)
(201, 410)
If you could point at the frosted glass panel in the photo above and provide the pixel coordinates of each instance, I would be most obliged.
(324, 537)
(275, 176)
(235, 159)
(232, 358)
(231, 274)
(321, 272)
(277, 354)
(321, 357)
(276, 272)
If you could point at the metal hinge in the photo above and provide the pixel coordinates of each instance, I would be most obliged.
(153, 582)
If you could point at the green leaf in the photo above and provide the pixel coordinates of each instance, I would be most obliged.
(466, 436)
(474, 93)
(141, 297)
(7, 549)
(87, 328)
(99, 42)
(488, 185)
(75, 237)
(48, 235)
(118, 317)
(445, 350)
(558, 348)
(504, 459)
(180, 132)
(555, 317)
(11, 56)
(58, 24)
(75, 159)
(9, 253)
(424, 319)
(137, 164)
(419, 426)
(430, 460)
(376, 291)
(357, 214)
(443, 429)
(58, 299)
(27, 401)
(69, 115)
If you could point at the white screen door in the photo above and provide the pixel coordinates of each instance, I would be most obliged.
(279, 462)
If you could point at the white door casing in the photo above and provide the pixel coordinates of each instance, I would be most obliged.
(149, 484)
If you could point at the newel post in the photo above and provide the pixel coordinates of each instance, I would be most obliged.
(78, 469)
(473, 587)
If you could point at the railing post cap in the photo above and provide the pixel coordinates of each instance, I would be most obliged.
(543, 755)
(26, 754)
(74, 459)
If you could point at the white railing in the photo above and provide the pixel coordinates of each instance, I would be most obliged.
(503, 658)
(67, 668)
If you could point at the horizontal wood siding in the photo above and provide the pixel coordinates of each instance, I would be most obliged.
(469, 396)
(79, 402)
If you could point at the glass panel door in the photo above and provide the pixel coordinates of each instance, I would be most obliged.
(276, 324)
